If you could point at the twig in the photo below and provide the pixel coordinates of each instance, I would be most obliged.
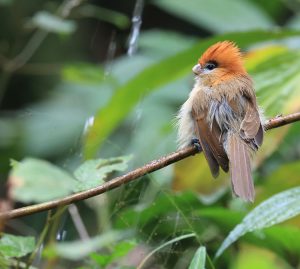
(282, 120)
(141, 171)
(136, 26)
(77, 220)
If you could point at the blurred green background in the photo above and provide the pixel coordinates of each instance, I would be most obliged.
(84, 80)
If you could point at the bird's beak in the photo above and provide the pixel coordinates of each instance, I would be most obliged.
(197, 69)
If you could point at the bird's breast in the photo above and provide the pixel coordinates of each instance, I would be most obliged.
(228, 115)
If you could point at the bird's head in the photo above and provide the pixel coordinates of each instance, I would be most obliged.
(220, 62)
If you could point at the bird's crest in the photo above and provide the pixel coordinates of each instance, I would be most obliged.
(226, 54)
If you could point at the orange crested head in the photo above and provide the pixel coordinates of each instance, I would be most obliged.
(225, 55)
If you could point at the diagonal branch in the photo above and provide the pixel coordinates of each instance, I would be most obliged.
(135, 174)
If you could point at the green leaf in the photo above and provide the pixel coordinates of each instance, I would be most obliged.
(4, 262)
(16, 246)
(13, 163)
(83, 73)
(273, 76)
(283, 240)
(119, 251)
(93, 172)
(153, 77)
(116, 18)
(35, 180)
(52, 23)
(235, 15)
(198, 261)
(77, 250)
(276, 209)
(224, 218)
(161, 44)
(164, 205)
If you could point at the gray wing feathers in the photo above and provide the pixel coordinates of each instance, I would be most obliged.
(251, 127)
(212, 162)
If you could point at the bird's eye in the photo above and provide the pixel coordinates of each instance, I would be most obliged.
(211, 65)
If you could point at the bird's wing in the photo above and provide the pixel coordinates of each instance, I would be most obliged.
(251, 127)
(210, 140)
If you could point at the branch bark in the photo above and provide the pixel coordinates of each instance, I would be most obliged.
(135, 174)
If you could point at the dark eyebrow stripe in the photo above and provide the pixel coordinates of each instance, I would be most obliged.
(212, 62)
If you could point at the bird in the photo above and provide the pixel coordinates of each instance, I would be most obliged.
(221, 116)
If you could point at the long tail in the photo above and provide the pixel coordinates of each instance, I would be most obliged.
(240, 168)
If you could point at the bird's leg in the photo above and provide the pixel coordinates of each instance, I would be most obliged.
(196, 143)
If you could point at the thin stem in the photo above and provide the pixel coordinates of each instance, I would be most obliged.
(40, 240)
(77, 220)
(133, 175)
(179, 238)
(55, 223)
(210, 262)
(31, 47)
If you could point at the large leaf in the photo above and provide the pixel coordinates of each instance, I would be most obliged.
(276, 209)
(34, 180)
(93, 172)
(16, 246)
(227, 15)
(284, 240)
(166, 71)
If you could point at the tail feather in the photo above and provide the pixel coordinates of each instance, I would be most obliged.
(240, 168)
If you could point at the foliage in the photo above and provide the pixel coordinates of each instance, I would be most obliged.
(16, 246)
(199, 259)
(12, 246)
(34, 180)
(69, 93)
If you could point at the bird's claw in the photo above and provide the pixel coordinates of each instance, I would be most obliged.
(196, 143)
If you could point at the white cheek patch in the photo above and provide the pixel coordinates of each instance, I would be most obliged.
(207, 71)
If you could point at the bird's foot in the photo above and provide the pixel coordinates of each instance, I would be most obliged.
(196, 143)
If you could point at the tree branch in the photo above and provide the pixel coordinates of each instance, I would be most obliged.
(141, 171)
